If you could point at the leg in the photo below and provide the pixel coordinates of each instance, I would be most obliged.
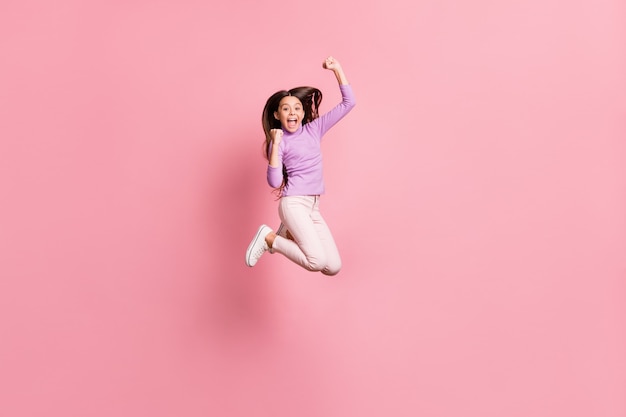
(333, 260)
(306, 249)
(281, 231)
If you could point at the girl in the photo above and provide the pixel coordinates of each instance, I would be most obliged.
(293, 131)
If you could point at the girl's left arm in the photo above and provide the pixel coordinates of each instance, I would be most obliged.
(328, 120)
(332, 64)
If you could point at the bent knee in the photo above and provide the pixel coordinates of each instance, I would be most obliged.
(316, 263)
(324, 265)
(332, 270)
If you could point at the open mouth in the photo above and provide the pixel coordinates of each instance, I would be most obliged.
(292, 122)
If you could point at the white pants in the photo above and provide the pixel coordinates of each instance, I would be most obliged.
(313, 246)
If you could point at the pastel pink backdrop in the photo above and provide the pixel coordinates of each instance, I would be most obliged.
(477, 193)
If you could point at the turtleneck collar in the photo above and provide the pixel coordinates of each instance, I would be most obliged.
(289, 134)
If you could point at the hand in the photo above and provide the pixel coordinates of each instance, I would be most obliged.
(331, 63)
(277, 136)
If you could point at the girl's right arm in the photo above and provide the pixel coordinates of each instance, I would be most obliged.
(277, 136)
(275, 166)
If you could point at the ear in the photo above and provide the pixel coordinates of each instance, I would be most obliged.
(276, 115)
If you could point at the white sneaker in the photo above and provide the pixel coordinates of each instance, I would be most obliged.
(282, 232)
(258, 246)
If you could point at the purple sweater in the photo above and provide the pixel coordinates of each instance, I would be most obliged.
(301, 154)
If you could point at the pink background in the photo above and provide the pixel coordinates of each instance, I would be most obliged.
(477, 193)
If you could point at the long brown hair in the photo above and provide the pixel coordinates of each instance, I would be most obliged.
(310, 97)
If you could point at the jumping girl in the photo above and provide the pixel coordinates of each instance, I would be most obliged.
(293, 132)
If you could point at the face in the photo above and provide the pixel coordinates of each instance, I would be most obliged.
(290, 113)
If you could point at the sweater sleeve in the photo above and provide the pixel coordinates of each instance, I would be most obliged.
(275, 174)
(328, 120)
